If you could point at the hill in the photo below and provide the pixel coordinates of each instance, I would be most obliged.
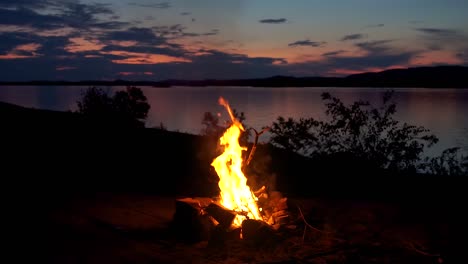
(427, 77)
(423, 77)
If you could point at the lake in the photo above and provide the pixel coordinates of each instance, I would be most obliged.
(443, 111)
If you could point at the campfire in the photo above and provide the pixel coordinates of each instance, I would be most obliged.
(238, 211)
(235, 193)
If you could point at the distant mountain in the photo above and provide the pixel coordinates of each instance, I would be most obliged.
(427, 77)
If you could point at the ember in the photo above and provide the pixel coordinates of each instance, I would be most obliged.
(235, 193)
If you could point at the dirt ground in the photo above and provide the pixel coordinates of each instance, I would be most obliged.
(129, 228)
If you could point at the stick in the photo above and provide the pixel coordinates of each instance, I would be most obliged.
(307, 224)
(254, 147)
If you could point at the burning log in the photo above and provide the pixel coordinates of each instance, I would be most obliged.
(222, 215)
(239, 207)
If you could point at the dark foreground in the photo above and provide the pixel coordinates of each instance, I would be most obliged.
(78, 191)
(134, 228)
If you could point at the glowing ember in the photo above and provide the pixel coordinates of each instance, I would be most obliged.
(235, 193)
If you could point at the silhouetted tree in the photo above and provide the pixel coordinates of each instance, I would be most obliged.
(450, 163)
(128, 108)
(96, 102)
(367, 133)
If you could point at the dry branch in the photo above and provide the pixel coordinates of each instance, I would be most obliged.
(254, 147)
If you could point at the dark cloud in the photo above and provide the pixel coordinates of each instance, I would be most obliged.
(51, 46)
(162, 5)
(169, 31)
(273, 20)
(306, 43)
(442, 38)
(9, 41)
(140, 35)
(211, 33)
(439, 32)
(377, 54)
(353, 37)
(185, 13)
(28, 17)
(376, 25)
(375, 46)
(25, 3)
(333, 53)
(67, 14)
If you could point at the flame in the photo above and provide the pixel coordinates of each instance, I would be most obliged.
(235, 193)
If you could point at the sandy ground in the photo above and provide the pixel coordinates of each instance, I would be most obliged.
(129, 228)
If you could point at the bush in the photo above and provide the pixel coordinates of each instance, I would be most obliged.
(126, 108)
(450, 163)
(360, 130)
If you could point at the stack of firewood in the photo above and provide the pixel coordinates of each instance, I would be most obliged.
(204, 219)
(275, 209)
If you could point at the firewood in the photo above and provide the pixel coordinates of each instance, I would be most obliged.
(221, 235)
(189, 223)
(257, 231)
(222, 215)
(282, 204)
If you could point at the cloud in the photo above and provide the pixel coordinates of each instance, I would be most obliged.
(185, 13)
(211, 33)
(66, 14)
(162, 5)
(307, 43)
(353, 37)
(28, 17)
(375, 25)
(273, 21)
(138, 34)
(22, 51)
(436, 39)
(333, 53)
(375, 46)
(439, 32)
(52, 46)
(124, 57)
(25, 3)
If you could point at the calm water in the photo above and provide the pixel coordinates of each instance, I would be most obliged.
(443, 111)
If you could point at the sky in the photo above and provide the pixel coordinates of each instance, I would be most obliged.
(225, 39)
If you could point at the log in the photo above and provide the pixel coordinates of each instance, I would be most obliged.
(258, 232)
(222, 215)
(221, 235)
(189, 223)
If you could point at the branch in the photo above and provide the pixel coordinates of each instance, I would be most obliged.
(254, 147)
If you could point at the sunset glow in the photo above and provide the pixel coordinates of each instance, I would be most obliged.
(229, 39)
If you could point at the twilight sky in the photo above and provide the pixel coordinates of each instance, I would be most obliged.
(198, 39)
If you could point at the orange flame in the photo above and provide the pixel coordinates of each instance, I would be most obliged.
(235, 193)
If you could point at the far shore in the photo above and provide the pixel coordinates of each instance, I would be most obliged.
(419, 77)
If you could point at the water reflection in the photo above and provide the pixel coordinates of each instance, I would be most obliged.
(181, 108)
